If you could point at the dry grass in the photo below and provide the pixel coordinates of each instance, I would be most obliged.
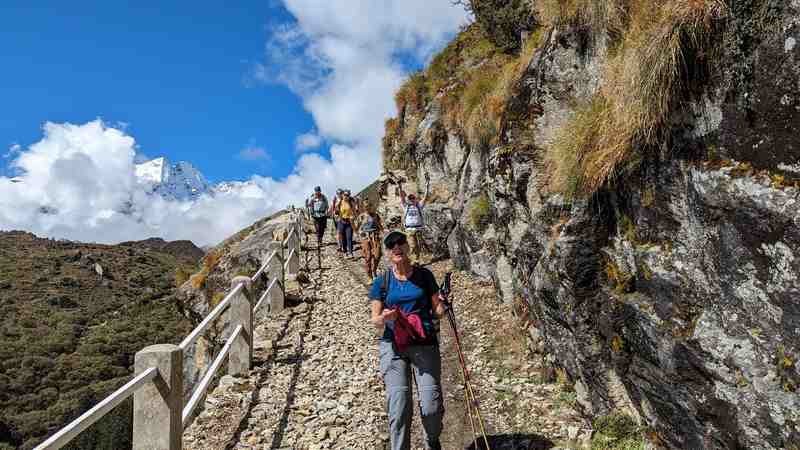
(618, 278)
(181, 276)
(486, 95)
(473, 81)
(652, 65)
(413, 93)
(564, 157)
(600, 15)
(210, 261)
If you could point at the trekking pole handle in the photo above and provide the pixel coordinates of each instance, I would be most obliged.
(444, 292)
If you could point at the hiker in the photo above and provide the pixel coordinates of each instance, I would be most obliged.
(412, 221)
(346, 211)
(334, 213)
(407, 297)
(369, 228)
(317, 207)
(356, 202)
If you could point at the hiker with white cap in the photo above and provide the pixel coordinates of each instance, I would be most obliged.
(413, 221)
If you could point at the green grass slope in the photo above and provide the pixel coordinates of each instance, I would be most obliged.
(68, 335)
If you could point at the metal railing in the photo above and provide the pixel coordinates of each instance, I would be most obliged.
(159, 411)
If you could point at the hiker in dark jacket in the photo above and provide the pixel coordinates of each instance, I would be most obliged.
(403, 291)
(317, 207)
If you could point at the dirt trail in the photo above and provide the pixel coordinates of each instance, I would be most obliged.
(315, 382)
(520, 410)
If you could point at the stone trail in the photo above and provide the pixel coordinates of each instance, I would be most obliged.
(315, 382)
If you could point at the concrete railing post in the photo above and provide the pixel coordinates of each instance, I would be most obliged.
(275, 268)
(293, 263)
(240, 357)
(157, 406)
(275, 272)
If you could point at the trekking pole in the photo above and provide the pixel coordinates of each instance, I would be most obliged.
(319, 254)
(473, 404)
(468, 389)
(468, 381)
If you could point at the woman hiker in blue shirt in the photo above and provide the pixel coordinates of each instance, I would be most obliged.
(410, 289)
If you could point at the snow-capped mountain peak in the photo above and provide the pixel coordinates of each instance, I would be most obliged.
(181, 181)
(153, 171)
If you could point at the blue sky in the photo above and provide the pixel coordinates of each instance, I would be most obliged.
(176, 72)
(88, 86)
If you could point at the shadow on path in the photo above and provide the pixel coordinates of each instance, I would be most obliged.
(264, 367)
(296, 360)
(513, 442)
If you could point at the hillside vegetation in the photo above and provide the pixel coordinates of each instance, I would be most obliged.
(68, 335)
(659, 52)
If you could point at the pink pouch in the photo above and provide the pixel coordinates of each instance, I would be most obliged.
(408, 330)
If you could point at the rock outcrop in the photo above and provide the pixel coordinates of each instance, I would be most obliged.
(241, 254)
(671, 293)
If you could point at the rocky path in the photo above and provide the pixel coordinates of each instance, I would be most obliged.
(315, 384)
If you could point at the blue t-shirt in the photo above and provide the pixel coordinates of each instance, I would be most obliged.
(412, 295)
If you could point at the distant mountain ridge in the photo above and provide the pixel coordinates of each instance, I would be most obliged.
(182, 181)
(184, 251)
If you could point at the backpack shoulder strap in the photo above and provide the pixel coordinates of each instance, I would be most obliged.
(385, 286)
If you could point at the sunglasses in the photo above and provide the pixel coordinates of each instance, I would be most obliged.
(395, 242)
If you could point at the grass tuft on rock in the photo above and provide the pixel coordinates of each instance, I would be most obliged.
(472, 79)
(617, 431)
(480, 212)
(663, 51)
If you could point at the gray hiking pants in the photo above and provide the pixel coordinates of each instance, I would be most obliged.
(396, 370)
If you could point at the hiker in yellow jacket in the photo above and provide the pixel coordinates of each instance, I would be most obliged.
(347, 211)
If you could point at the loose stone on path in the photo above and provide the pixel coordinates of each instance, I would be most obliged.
(315, 383)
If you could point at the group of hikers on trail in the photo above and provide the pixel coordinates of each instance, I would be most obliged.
(354, 218)
(405, 301)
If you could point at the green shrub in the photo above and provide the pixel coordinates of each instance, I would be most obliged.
(617, 431)
(503, 21)
(480, 212)
(182, 275)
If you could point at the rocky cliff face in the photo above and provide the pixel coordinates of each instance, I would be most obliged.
(671, 291)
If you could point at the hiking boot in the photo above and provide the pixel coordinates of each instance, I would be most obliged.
(433, 446)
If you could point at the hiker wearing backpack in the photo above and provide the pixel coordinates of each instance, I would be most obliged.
(346, 211)
(370, 226)
(334, 213)
(317, 207)
(404, 301)
(413, 221)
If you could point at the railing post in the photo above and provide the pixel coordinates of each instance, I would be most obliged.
(275, 268)
(241, 313)
(293, 264)
(275, 272)
(157, 406)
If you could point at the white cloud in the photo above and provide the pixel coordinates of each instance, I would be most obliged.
(253, 153)
(343, 58)
(307, 141)
(13, 149)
